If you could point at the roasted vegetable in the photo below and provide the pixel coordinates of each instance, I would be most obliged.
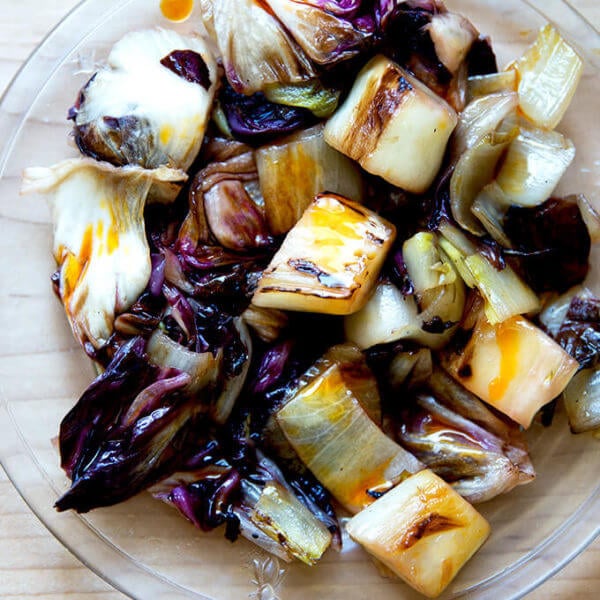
(325, 423)
(151, 104)
(582, 401)
(513, 365)
(547, 75)
(428, 316)
(261, 506)
(461, 440)
(393, 126)
(329, 261)
(126, 431)
(99, 238)
(535, 162)
(551, 244)
(422, 530)
(505, 294)
(294, 170)
(273, 42)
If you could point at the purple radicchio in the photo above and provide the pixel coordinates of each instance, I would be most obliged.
(125, 432)
(273, 42)
(551, 244)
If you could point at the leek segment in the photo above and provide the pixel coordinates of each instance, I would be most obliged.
(282, 517)
(329, 262)
(429, 317)
(294, 170)
(393, 125)
(422, 530)
(535, 162)
(505, 294)
(333, 435)
(493, 83)
(514, 366)
(548, 74)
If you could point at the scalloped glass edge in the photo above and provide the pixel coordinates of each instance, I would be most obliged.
(88, 544)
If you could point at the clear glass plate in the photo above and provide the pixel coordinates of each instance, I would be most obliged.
(143, 547)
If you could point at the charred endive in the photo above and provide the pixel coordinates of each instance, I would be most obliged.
(150, 105)
(100, 243)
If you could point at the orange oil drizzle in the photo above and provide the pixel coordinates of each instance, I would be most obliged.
(176, 10)
(507, 338)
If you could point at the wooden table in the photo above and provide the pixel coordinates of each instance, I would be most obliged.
(32, 562)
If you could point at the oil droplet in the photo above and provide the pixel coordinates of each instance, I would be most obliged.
(176, 10)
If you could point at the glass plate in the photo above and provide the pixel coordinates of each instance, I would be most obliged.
(143, 547)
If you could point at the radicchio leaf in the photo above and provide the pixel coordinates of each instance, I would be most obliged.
(255, 120)
(125, 432)
(552, 244)
(579, 333)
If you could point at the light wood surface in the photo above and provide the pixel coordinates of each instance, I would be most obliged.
(32, 563)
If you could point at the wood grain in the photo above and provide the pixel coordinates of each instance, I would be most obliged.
(33, 564)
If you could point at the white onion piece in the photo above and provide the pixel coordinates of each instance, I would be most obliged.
(474, 169)
(534, 164)
(582, 401)
(479, 118)
(203, 368)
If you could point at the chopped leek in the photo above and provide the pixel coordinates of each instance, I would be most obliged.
(393, 125)
(292, 171)
(547, 74)
(481, 117)
(326, 424)
(329, 261)
(534, 164)
(283, 518)
(493, 83)
(429, 317)
(425, 268)
(512, 365)
(422, 530)
(505, 294)
(474, 169)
